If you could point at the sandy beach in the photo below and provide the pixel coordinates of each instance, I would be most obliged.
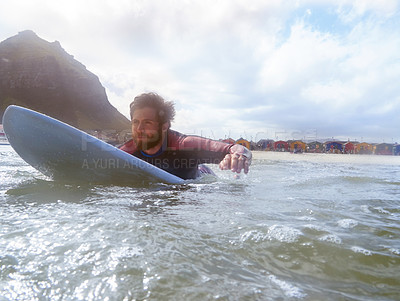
(332, 158)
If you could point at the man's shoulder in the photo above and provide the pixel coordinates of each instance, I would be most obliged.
(175, 134)
(175, 139)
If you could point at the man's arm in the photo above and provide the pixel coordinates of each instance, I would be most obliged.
(230, 156)
(235, 157)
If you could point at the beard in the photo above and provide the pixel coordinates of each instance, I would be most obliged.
(147, 141)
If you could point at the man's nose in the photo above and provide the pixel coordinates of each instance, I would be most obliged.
(140, 127)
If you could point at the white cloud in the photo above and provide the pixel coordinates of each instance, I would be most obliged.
(235, 66)
(306, 55)
(350, 10)
(334, 95)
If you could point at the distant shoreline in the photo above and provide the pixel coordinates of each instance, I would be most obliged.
(329, 158)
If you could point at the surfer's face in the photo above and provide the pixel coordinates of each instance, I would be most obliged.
(146, 129)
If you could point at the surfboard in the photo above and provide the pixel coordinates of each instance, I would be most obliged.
(63, 152)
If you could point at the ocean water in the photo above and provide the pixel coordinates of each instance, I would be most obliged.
(297, 227)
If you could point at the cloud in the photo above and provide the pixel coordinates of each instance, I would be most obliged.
(236, 67)
(326, 77)
(349, 11)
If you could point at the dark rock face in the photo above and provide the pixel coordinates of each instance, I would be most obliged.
(42, 76)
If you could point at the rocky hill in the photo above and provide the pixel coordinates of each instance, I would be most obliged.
(44, 77)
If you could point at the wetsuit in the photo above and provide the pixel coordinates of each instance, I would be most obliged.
(181, 154)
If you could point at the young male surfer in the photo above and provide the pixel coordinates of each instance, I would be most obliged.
(153, 141)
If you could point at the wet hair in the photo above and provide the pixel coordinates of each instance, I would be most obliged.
(165, 109)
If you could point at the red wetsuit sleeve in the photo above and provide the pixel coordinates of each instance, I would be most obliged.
(205, 150)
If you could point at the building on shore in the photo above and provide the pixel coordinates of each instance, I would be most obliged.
(281, 146)
(364, 148)
(349, 148)
(384, 149)
(265, 144)
(334, 147)
(243, 142)
(315, 147)
(396, 150)
(297, 147)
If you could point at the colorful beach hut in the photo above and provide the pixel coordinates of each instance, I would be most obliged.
(349, 148)
(396, 150)
(281, 146)
(243, 142)
(315, 147)
(364, 149)
(384, 149)
(334, 147)
(265, 144)
(297, 146)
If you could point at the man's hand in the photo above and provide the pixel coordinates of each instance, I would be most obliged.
(238, 159)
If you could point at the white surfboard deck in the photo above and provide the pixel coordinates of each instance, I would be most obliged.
(63, 152)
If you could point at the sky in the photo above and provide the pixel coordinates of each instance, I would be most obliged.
(256, 69)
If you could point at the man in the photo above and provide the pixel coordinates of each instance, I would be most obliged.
(178, 154)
